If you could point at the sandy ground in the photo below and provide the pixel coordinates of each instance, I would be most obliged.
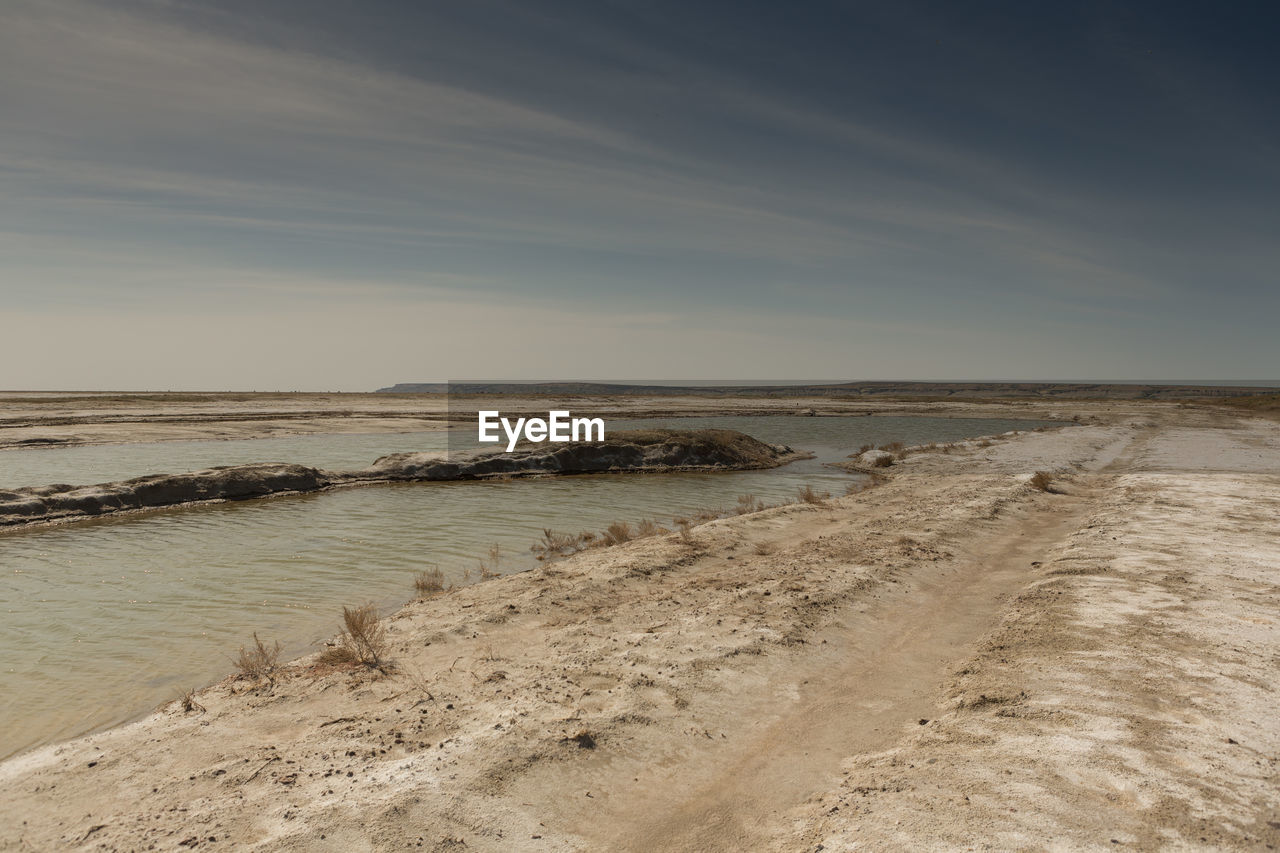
(69, 418)
(950, 660)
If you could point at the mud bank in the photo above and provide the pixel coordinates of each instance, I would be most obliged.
(646, 451)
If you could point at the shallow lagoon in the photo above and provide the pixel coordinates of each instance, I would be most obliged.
(105, 619)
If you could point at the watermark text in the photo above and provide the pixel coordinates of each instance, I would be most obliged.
(559, 426)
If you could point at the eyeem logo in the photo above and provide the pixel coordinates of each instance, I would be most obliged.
(559, 426)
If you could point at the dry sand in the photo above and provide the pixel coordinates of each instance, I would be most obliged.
(113, 418)
(951, 660)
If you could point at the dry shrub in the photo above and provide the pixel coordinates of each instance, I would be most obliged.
(189, 703)
(617, 533)
(489, 569)
(363, 639)
(748, 504)
(430, 583)
(864, 448)
(704, 515)
(893, 447)
(259, 661)
(555, 544)
(807, 495)
(684, 526)
(648, 527)
(763, 548)
(882, 461)
(1042, 480)
(985, 443)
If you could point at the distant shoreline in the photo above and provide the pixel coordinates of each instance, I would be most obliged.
(913, 389)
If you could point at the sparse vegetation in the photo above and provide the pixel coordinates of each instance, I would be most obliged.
(864, 448)
(555, 544)
(429, 583)
(649, 527)
(807, 495)
(1042, 480)
(258, 662)
(764, 549)
(363, 639)
(893, 447)
(1251, 402)
(617, 533)
(188, 702)
(489, 568)
(883, 461)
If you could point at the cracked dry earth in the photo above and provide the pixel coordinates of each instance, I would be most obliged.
(950, 660)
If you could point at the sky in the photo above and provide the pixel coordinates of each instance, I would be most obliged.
(321, 195)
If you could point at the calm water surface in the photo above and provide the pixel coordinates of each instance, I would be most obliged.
(105, 619)
(106, 463)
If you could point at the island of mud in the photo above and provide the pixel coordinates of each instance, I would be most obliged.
(636, 451)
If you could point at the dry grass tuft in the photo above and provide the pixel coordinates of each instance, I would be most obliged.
(363, 639)
(864, 448)
(807, 495)
(258, 662)
(617, 533)
(764, 549)
(430, 583)
(555, 544)
(893, 447)
(882, 461)
(489, 568)
(748, 504)
(189, 703)
(648, 527)
(1042, 480)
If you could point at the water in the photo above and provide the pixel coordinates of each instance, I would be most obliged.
(105, 619)
(39, 466)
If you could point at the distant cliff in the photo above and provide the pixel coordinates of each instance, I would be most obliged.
(915, 390)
